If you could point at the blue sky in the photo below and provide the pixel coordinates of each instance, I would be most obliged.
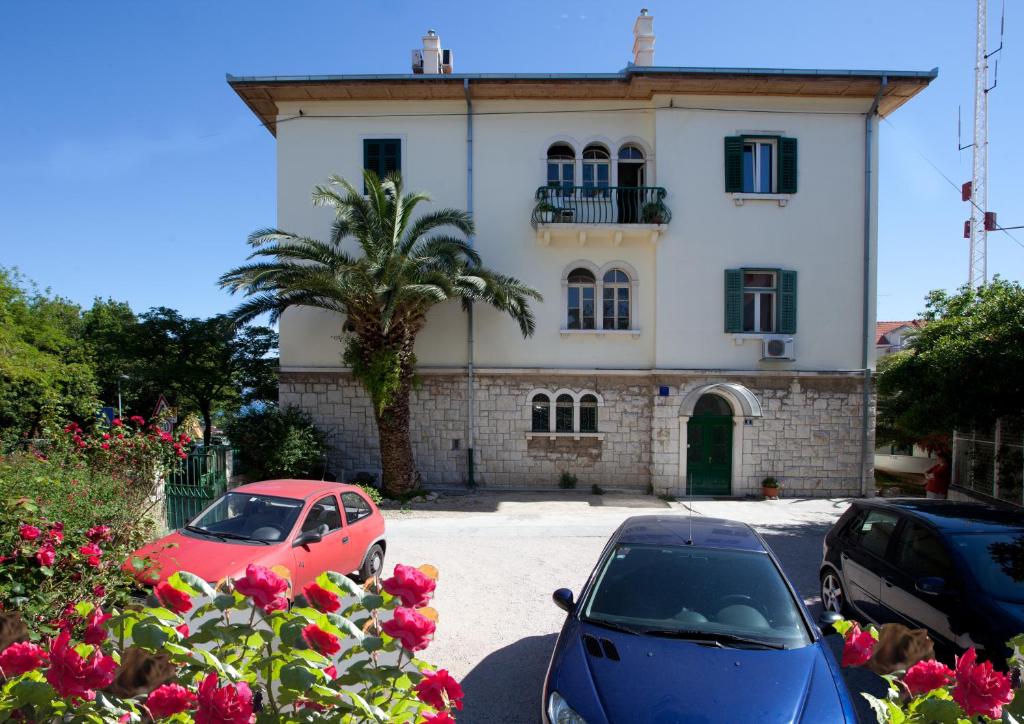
(131, 170)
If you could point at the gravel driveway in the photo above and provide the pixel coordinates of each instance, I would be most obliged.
(502, 554)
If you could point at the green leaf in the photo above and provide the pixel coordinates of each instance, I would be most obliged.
(149, 636)
(939, 711)
(298, 676)
(31, 691)
(83, 608)
(842, 626)
(224, 601)
(340, 624)
(371, 601)
(346, 584)
(196, 584)
(879, 707)
(372, 643)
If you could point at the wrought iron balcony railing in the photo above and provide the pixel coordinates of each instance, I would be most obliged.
(600, 205)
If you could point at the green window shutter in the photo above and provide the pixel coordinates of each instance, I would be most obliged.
(371, 155)
(733, 300)
(787, 166)
(733, 164)
(787, 302)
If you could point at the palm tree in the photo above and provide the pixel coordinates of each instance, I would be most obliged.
(406, 266)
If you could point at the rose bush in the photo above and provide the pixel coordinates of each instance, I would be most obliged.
(929, 691)
(71, 513)
(233, 655)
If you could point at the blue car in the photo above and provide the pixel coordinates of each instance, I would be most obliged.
(690, 621)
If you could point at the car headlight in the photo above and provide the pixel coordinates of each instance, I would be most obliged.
(559, 711)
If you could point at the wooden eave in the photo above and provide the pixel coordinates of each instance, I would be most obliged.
(262, 95)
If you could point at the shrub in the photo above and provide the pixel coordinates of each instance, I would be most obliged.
(342, 653)
(567, 480)
(372, 493)
(769, 482)
(929, 691)
(596, 489)
(275, 443)
(71, 517)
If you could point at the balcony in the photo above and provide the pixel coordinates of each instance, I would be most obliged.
(585, 213)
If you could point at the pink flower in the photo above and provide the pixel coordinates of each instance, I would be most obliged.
(116, 422)
(56, 535)
(92, 552)
(18, 658)
(106, 436)
(264, 587)
(72, 427)
(95, 631)
(99, 533)
(229, 704)
(411, 585)
(183, 630)
(74, 677)
(169, 699)
(319, 640)
(411, 628)
(859, 647)
(105, 445)
(321, 598)
(331, 671)
(46, 554)
(137, 420)
(99, 591)
(441, 717)
(439, 690)
(172, 598)
(29, 532)
(979, 688)
(925, 676)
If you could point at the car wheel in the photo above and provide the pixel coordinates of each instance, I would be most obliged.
(373, 564)
(833, 597)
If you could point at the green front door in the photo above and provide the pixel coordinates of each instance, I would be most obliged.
(709, 455)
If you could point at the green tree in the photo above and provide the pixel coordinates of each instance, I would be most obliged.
(963, 370)
(405, 268)
(206, 365)
(110, 329)
(46, 374)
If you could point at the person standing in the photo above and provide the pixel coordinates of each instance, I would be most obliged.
(937, 478)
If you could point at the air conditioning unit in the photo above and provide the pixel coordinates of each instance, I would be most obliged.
(417, 60)
(447, 61)
(777, 347)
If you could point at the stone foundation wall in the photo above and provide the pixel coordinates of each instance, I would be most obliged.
(809, 436)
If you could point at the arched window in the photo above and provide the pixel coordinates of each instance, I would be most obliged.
(616, 299)
(588, 413)
(581, 288)
(562, 167)
(541, 414)
(712, 405)
(597, 168)
(563, 413)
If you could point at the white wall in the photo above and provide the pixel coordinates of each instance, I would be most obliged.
(681, 297)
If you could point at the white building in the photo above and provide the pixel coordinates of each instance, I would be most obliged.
(704, 239)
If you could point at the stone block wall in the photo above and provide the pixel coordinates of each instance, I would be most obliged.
(809, 435)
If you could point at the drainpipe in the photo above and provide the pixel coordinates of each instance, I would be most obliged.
(866, 335)
(470, 377)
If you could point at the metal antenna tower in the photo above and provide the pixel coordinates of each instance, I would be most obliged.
(977, 273)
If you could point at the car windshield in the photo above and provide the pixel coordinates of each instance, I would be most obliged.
(246, 516)
(696, 593)
(996, 560)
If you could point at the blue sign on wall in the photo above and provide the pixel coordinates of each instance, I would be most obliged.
(107, 412)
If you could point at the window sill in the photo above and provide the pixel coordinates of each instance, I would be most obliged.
(565, 435)
(781, 199)
(634, 333)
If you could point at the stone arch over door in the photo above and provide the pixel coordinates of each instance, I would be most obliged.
(743, 404)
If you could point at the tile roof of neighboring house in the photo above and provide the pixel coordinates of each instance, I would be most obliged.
(883, 328)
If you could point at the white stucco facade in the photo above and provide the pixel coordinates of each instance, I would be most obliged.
(800, 418)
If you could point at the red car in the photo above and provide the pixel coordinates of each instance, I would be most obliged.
(300, 528)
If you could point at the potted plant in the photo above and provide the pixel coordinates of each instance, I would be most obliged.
(770, 488)
(654, 212)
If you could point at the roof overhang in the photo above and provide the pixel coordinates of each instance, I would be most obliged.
(744, 400)
(263, 93)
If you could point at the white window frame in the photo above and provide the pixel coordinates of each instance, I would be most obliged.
(594, 162)
(634, 290)
(773, 175)
(759, 293)
(580, 286)
(553, 395)
(616, 287)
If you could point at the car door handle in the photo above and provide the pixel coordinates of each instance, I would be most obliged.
(345, 539)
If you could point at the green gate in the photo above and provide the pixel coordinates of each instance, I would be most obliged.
(199, 480)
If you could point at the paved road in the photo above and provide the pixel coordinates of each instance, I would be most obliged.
(501, 556)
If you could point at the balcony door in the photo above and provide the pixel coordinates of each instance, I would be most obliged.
(631, 168)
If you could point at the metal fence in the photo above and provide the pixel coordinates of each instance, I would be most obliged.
(200, 479)
(600, 205)
(991, 462)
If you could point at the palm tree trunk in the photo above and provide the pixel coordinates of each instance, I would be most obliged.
(398, 470)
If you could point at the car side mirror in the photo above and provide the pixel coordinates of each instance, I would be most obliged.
(307, 537)
(563, 599)
(931, 585)
(826, 620)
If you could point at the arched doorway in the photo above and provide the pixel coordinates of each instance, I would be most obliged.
(709, 447)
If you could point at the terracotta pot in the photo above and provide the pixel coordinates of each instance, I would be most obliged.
(769, 493)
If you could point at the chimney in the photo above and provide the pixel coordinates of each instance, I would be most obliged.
(643, 39)
(431, 53)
